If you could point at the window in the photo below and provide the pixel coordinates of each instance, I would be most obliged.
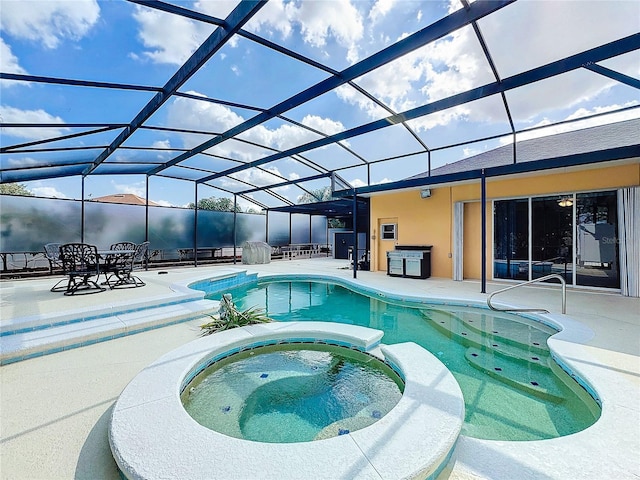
(388, 231)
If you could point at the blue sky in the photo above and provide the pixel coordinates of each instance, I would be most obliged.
(118, 41)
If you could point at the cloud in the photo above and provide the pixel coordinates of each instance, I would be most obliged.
(246, 205)
(456, 63)
(380, 9)
(169, 38)
(9, 64)
(260, 177)
(136, 188)
(207, 116)
(164, 203)
(161, 144)
(139, 189)
(15, 115)
(580, 124)
(22, 162)
(356, 182)
(201, 115)
(274, 17)
(318, 23)
(49, 21)
(219, 8)
(339, 20)
(172, 39)
(324, 125)
(50, 192)
(435, 71)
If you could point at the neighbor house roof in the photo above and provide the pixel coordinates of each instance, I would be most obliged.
(126, 198)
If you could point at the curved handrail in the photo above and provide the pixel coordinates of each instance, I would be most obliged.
(535, 280)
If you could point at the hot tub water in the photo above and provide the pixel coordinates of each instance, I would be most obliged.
(292, 393)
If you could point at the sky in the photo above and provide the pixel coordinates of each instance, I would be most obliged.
(122, 42)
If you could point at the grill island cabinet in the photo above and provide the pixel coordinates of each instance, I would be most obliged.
(411, 261)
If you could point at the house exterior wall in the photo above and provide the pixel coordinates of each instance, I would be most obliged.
(429, 221)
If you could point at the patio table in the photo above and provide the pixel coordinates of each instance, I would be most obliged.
(111, 256)
(109, 261)
(105, 254)
(119, 263)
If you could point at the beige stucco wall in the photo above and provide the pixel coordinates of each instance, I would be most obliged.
(430, 221)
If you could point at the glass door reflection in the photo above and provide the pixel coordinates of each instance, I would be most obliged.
(511, 239)
(552, 236)
(597, 240)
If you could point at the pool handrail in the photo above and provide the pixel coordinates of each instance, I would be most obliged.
(535, 280)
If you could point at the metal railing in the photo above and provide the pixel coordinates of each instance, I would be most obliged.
(535, 280)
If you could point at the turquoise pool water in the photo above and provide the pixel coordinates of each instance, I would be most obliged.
(513, 389)
(292, 393)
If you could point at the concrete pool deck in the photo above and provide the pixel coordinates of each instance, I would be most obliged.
(54, 410)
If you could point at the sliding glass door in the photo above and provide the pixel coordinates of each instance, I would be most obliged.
(511, 239)
(573, 235)
(552, 236)
(597, 240)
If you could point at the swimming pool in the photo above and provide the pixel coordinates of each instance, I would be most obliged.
(513, 388)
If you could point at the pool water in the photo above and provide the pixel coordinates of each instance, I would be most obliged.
(292, 393)
(513, 389)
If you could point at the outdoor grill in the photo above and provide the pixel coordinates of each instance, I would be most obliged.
(412, 261)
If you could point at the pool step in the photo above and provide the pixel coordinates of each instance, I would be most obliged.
(42, 340)
(469, 326)
(531, 378)
(514, 353)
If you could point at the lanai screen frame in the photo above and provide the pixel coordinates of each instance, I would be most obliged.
(468, 16)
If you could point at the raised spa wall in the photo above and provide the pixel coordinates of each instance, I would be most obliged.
(414, 440)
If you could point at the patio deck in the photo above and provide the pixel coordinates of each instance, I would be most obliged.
(55, 409)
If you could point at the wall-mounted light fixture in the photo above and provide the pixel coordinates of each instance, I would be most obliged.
(425, 193)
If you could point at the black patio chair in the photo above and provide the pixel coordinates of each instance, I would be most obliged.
(52, 254)
(114, 262)
(125, 264)
(81, 263)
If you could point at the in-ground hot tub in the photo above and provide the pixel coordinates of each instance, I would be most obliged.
(152, 435)
(293, 392)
